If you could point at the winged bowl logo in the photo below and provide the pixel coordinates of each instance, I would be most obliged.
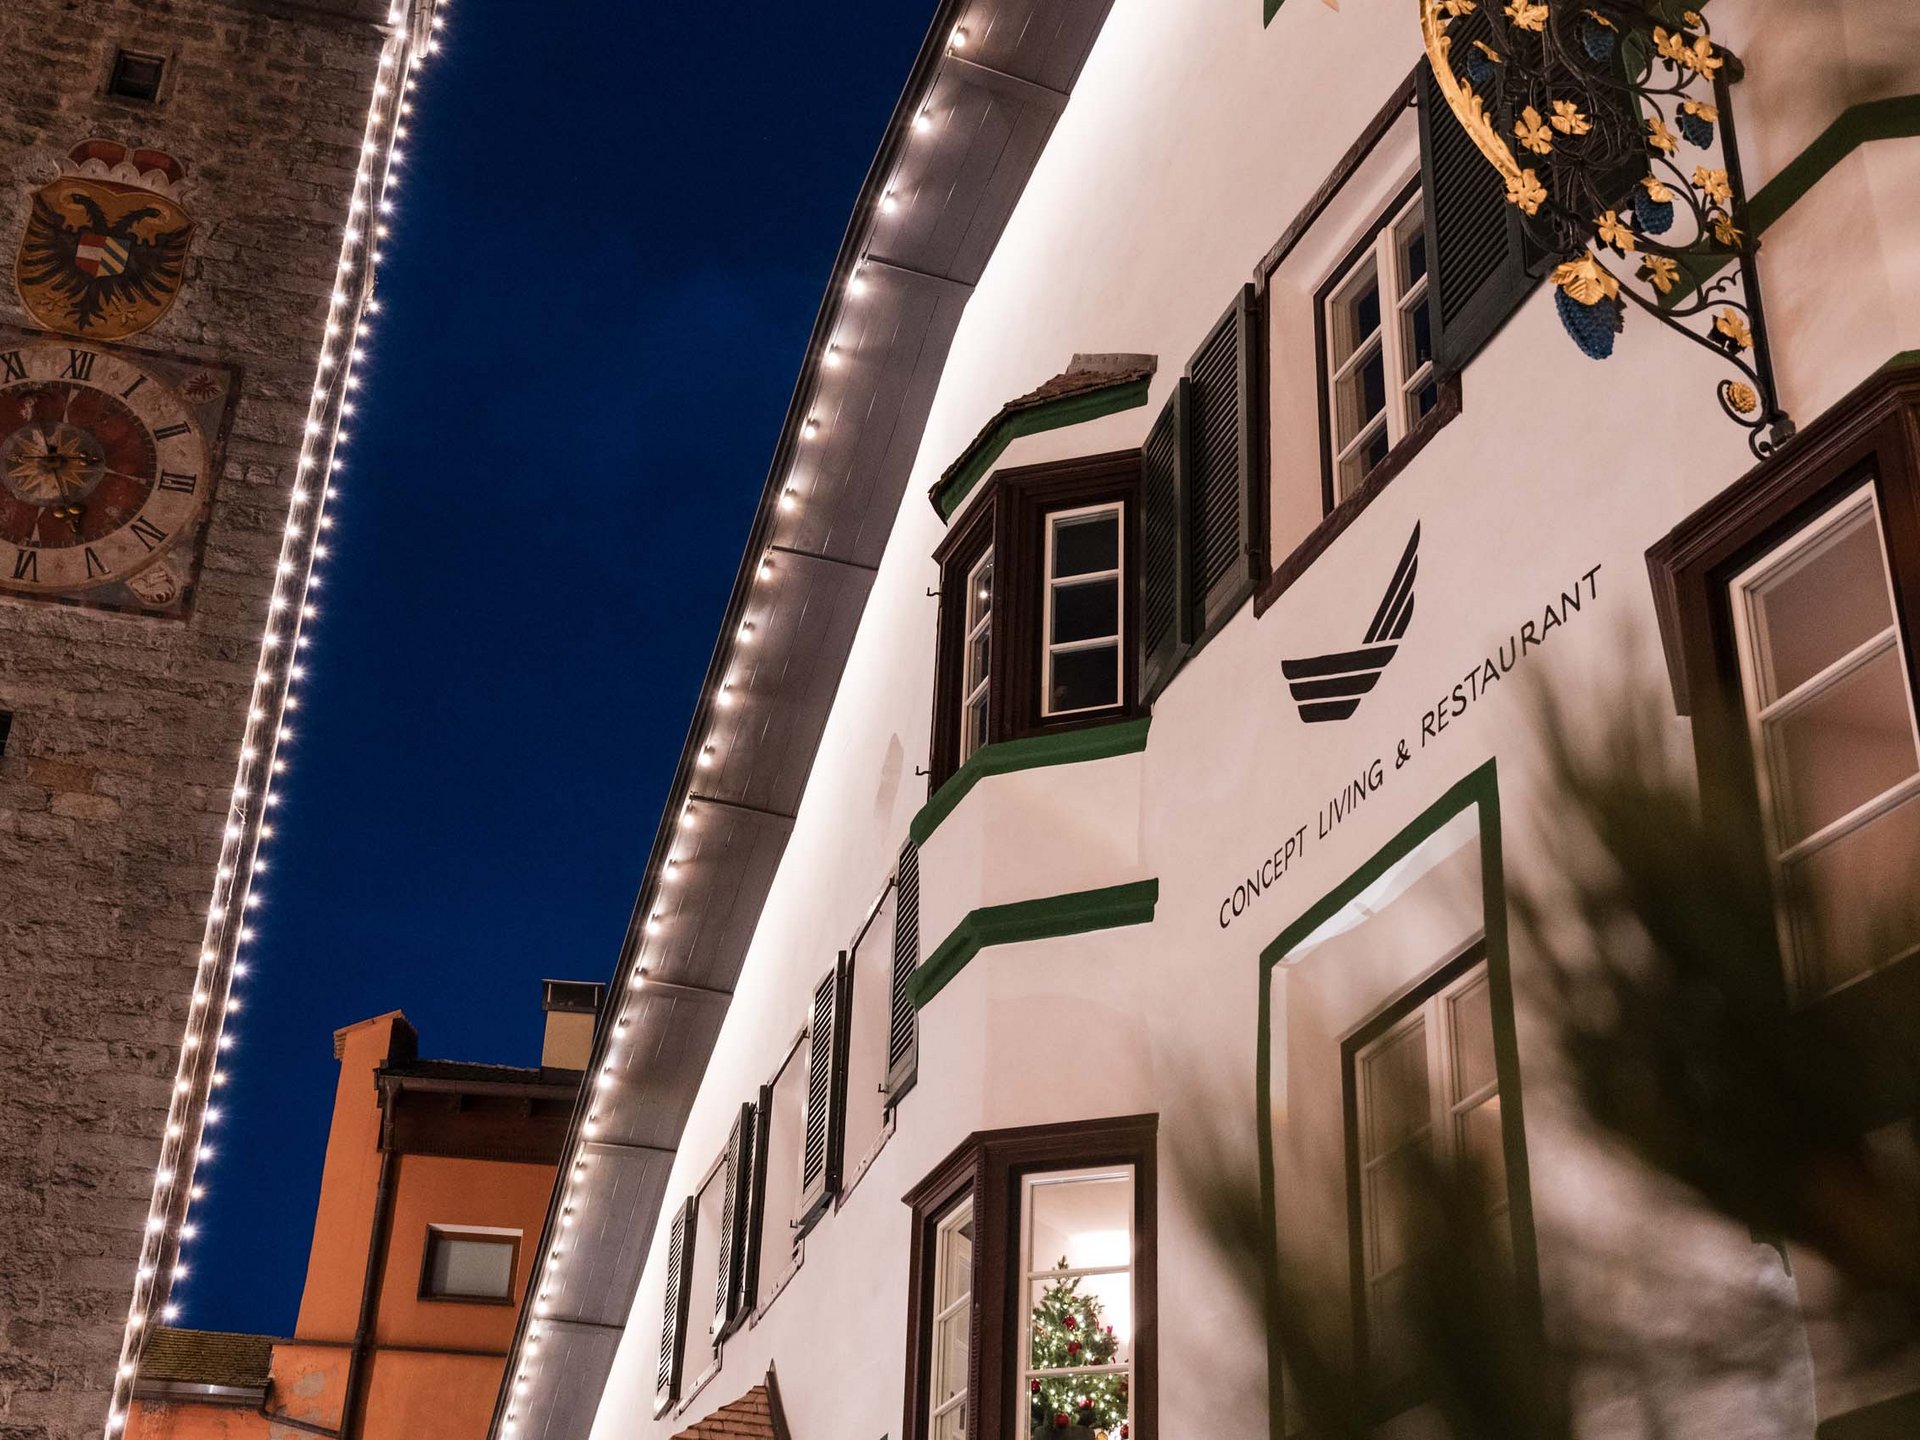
(106, 243)
(1330, 687)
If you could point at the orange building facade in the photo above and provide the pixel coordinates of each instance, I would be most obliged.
(435, 1185)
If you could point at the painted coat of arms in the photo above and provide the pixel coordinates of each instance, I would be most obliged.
(105, 246)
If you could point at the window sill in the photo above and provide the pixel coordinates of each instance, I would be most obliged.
(865, 1162)
(780, 1285)
(1322, 536)
(1067, 747)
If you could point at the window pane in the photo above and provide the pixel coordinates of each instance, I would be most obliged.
(980, 594)
(1080, 1320)
(1819, 605)
(785, 1127)
(1394, 1084)
(1853, 900)
(1413, 249)
(478, 1269)
(956, 1258)
(1085, 679)
(1483, 1156)
(1362, 395)
(1086, 543)
(1081, 1223)
(950, 1356)
(1842, 748)
(1390, 1193)
(1088, 610)
(1417, 335)
(1471, 1011)
(1356, 315)
(1391, 1342)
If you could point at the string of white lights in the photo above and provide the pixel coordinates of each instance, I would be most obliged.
(184, 1149)
(578, 1163)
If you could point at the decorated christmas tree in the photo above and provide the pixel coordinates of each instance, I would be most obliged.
(1069, 1331)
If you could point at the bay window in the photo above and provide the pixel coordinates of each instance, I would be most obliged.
(1031, 1285)
(1036, 621)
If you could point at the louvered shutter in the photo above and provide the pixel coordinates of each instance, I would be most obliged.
(1482, 264)
(1163, 567)
(735, 1206)
(903, 1043)
(1221, 503)
(826, 1092)
(757, 1202)
(673, 1318)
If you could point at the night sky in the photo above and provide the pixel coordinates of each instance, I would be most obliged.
(614, 228)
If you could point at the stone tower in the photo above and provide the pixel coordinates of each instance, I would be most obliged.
(188, 202)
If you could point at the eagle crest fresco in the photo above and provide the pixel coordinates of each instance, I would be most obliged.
(105, 246)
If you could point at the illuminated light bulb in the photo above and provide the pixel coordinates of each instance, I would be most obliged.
(199, 997)
(746, 629)
(179, 1272)
(233, 832)
(219, 1077)
(170, 1312)
(226, 1041)
(126, 1371)
(173, 1132)
(959, 40)
(706, 756)
(188, 1232)
(888, 203)
(259, 867)
(306, 461)
(923, 122)
(789, 498)
(833, 356)
(190, 1041)
(857, 285)
(346, 408)
(205, 1152)
(198, 1192)
(256, 713)
(163, 1176)
(182, 1086)
(766, 569)
(286, 567)
(653, 923)
(313, 427)
(145, 1272)
(373, 307)
(239, 969)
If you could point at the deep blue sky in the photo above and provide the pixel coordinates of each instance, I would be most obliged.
(614, 229)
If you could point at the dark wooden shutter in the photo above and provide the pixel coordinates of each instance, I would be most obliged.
(1163, 566)
(757, 1204)
(673, 1317)
(903, 1042)
(1222, 505)
(736, 1205)
(1482, 265)
(826, 1093)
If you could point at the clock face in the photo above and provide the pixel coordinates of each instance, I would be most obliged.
(104, 471)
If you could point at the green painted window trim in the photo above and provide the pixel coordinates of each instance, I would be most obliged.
(1895, 118)
(1055, 915)
(1481, 788)
(1069, 747)
(981, 456)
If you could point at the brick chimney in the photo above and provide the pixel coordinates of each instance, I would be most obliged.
(572, 1006)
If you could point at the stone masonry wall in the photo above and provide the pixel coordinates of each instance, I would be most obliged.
(115, 781)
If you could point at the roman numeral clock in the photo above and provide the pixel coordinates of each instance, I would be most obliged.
(107, 455)
(105, 473)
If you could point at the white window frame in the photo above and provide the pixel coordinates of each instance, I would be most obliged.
(1766, 764)
(957, 1215)
(1380, 257)
(1030, 1274)
(480, 1234)
(1446, 1111)
(1117, 575)
(975, 688)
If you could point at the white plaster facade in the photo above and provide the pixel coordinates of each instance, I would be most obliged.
(1194, 135)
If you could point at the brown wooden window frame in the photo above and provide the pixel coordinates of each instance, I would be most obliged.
(1010, 518)
(127, 76)
(437, 1233)
(1871, 435)
(989, 1167)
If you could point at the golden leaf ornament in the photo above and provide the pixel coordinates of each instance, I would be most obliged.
(1526, 191)
(1713, 184)
(1701, 110)
(1568, 120)
(1586, 280)
(1733, 326)
(1659, 137)
(1741, 397)
(1725, 231)
(1656, 191)
(1661, 272)
(1526, 16)
(1613, 233)
(1533, 132)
